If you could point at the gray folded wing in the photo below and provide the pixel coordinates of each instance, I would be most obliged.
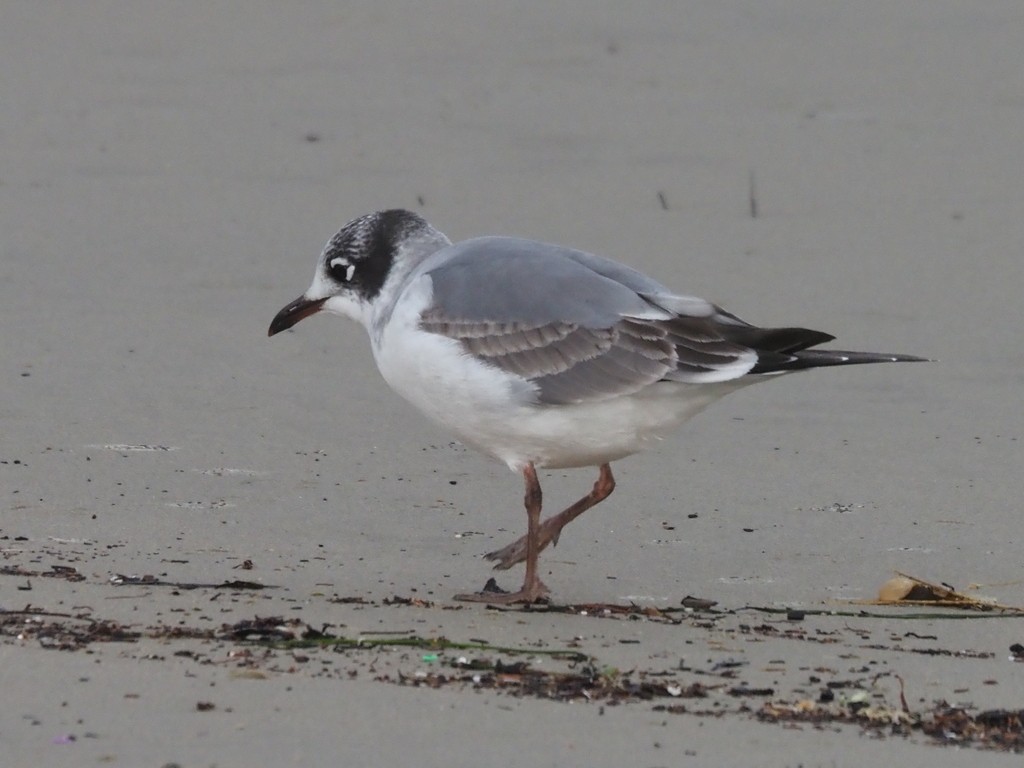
(578, 327)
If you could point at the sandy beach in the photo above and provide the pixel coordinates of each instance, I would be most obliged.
(220, 549)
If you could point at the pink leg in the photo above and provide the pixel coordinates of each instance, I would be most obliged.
(533, 588)
(552, 527)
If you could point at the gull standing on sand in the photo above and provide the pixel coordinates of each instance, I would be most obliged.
(539, 355)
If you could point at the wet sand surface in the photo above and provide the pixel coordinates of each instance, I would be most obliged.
(219, 549)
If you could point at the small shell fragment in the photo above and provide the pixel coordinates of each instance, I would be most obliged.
(897, 588)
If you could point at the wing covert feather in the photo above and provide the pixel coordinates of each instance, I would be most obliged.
(591, 330)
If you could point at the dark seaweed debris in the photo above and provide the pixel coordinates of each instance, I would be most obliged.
(63, 632)
(65, 572)
(521, 680)
(996, 729)
(264, 645)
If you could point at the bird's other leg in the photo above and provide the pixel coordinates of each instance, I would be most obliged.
(533, 588)
(551, 528)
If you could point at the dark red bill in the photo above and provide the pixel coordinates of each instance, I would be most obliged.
(290, 315)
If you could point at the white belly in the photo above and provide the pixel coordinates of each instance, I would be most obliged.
(587, 434)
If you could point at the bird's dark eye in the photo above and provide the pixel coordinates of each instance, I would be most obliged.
(341, 269)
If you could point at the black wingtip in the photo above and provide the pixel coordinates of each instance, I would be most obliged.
(821, 358)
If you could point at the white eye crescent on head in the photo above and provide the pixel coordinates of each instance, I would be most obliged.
(341, 269)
